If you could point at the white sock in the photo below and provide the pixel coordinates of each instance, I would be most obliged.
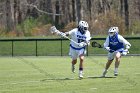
(105, 70)
(80, 71)
(116, 70)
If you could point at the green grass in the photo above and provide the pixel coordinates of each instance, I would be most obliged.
(53, 75)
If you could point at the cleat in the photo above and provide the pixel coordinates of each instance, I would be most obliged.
(104, 73)
(115, 73)
(73, 68)
(80, 74)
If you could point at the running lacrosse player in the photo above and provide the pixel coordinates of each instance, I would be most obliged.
(116, 46)
(81, 35)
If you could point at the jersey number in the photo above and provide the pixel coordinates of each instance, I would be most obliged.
(80, 40)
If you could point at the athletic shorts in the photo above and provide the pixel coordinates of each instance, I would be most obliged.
(76, 53)
(112, 55)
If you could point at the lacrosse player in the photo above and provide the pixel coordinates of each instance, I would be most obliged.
(81, 35)
(116, 46)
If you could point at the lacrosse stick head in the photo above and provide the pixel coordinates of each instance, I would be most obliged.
(53, 30)
(95, 44)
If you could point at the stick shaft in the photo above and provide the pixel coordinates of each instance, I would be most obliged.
(71, 40)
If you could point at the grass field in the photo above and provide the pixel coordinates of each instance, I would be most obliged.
(53, 75)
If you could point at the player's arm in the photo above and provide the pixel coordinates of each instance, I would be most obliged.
(87, 41)
(125, 42)
(70, 33)
(63, 34)
(106, 44)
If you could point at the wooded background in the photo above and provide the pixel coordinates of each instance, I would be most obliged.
(34, 17)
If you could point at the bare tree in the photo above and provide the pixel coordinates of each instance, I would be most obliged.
(73, 11)
(61, 12)
(9, 21)
(126, 6)
(57, 7)
(78, 10)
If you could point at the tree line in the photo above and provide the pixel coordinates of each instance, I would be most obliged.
(100, 14)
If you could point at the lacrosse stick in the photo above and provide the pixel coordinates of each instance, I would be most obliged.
(54, 30)
(95, 44)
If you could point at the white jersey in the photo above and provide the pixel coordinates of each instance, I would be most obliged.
(120, 38)
(78, 37)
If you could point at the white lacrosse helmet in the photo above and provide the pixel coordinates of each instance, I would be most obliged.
(83, 25)
(113, 30)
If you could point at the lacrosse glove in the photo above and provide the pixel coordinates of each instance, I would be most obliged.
(107, 48)
(62, 34)
(125, 52)
(82, 44)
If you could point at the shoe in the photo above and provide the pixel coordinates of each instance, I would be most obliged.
(115, 73)
(80, 74)
(104, 73)
(73, 68)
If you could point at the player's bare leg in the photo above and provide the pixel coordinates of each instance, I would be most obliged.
(117, 62)
(74, 61)
(81, 57)
(106, 67)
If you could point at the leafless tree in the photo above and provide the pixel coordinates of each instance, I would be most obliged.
(62, 12)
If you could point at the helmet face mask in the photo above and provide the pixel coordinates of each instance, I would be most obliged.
(83, 26)
(111, 34)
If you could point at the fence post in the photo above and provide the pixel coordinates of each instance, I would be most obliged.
(12, 48)
(36, 48)
(61, 47)
(87, 50)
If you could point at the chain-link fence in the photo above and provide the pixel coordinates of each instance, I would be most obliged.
(54, 47)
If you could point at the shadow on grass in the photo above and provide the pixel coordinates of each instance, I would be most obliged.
(93, 77)
(89, 77)
(52, 79)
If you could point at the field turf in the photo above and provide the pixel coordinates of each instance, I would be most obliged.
(52, 74)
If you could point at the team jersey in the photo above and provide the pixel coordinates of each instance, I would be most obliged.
(115, 43)
(78, 37)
